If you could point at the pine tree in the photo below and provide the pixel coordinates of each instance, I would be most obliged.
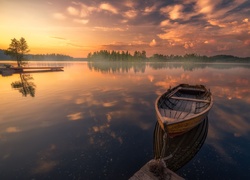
(17, 50)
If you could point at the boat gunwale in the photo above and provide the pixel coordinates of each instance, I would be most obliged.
(164, 122)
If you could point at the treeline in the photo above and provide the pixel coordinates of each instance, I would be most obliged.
(141, 56)
(161, 57)
(117, 55)
(53, 57)
(3, 56)
(198, 58)
(39, 57)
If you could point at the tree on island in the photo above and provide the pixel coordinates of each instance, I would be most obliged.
(17, 49)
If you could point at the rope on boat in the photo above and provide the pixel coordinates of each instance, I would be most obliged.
(165, 146)
(165, 136)
(161, 144)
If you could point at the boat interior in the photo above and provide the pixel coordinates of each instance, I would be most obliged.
(183, 102)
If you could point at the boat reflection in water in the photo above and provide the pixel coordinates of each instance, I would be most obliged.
(179, 150)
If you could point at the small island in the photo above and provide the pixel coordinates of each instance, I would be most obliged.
(17, 51)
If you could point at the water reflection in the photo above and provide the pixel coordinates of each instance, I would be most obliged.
(225, 80)
(95, 122)
(25, 85)
(195, 66)
(180, 149)
(120, 66)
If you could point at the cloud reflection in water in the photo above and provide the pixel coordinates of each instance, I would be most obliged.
(99, 116)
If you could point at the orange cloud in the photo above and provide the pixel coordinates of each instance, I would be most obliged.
(149, 9)
(130, 14)
(216, 23)
(81, 21)
(75, 116)
(108, 7)
(109, 104)
(109, 29)
(245, 20)
(165, 23)
(152, 43)
(179, 25)
(13, 130)
(73, 11)
(206, 6)
(174, 12)
(188, 45)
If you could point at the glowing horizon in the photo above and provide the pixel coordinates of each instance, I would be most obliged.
(77, 28)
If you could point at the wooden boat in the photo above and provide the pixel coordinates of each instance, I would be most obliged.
(182, 108)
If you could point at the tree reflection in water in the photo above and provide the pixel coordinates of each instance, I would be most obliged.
(25, 85)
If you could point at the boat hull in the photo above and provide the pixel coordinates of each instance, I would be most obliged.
(177, 125)
(176, 129)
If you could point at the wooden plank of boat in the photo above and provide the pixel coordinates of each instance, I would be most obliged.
(192, 89)
(145, 174)
(190, 99)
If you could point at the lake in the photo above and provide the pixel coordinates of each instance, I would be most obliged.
(96, 120)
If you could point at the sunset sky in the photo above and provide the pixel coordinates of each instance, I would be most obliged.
(75, 28)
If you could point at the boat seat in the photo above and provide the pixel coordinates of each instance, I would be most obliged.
(173, 114)
(190, 99)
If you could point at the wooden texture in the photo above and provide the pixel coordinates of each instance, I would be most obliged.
(190, 99)
(22, 68)
(13, 70)
(183, 107)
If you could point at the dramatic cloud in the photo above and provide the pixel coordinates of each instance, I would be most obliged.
(206, 6)
(130, 14)
(149, 10)
(75, 116)
(108, 29)
(85, 10)
(204, 27)
(174, 12)
(152, 43)
(73, 11)
(108, 7)
(245, 20)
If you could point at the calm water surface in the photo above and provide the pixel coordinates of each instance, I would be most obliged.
(96, 120)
